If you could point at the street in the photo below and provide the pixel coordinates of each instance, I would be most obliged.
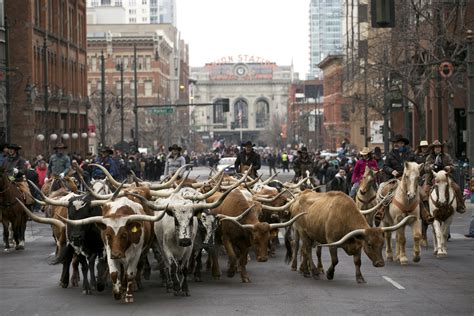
(29, 285)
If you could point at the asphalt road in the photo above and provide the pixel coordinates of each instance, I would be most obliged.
(29, 286)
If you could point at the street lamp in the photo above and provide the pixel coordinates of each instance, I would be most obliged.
(470, 97)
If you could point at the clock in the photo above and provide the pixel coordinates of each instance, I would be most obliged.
(240, 70)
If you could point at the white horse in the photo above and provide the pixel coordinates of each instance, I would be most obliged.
(100, 186)
(406, 201)
(442, 203)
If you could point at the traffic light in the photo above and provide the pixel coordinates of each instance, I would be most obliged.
(381, 129)
(382, 13)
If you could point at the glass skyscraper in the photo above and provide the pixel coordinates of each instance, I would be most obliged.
(325, 22)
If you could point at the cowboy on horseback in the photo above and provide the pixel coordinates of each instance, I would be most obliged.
(439, 160)
(301, 164)
(246, 158)
(365, 161)
(59, 163)
(16, 168)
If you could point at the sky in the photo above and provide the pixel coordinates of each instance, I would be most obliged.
(276, 30)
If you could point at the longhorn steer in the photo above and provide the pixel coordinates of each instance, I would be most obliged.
(327, 224)
(126, 232)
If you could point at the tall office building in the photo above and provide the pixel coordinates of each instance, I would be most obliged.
(134, 11)
(325, 20)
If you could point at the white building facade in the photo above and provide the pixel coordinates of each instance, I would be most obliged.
(258, 100)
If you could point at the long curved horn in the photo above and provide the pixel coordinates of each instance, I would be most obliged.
(288, 223)
(114, 182)
(277, 208)
(144, 201)
(43, 220)
(147, 218)
(271, 178)
(85, 221)
(95, 194)
(47, 199)
(170, 181)
(395, 227)
(161, 194)
(180, 185)
(353, 233)
(211, 180)
(221, 198)
(230, 219)
(376, 207)
(203, 196)
(268, 200)
(296, 185)
(237, 218)
(251, 183)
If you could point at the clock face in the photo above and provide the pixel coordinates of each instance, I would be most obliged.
(240, 70)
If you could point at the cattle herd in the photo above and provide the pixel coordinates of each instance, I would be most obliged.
(110, 235)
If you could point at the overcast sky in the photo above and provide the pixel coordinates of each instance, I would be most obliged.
(276, 30)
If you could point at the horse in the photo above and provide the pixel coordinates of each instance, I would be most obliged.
(366, 194)
(12, 212)
(442, 202)
(56, 182)
(100, 186)
(405, 202)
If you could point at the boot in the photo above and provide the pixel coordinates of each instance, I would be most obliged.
(425, 215)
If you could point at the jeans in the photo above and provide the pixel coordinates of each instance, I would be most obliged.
(354, 189)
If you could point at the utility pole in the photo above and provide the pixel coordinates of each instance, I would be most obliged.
(470, 98)
(102, 99)
(121, 104)
(366, 104)
(386, 115)
(135, 108)
(406, 112)
(46, 93)
(7, 87)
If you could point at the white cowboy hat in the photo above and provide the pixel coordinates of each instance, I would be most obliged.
(365, 151)
(424, 143)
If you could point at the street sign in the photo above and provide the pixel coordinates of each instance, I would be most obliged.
(161, 110)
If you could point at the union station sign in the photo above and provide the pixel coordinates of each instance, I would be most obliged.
(241, 67)
(241, 58)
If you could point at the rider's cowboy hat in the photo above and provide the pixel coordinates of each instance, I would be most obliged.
(107, 150)
(437, 143)
(365, 151)
(13, 146)
(400, 138)
(174, 146)
(303, 150)
(60, 146)
(424, 143)
(249, 143)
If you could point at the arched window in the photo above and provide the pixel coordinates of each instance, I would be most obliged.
(219, 115)
(262, 110)
(241, 113)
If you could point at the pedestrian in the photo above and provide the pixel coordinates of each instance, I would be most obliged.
(41, 170)
(59, 163)
(271, 163)
(105, 159)
(365, 161)
(174, 161)
(3, 153)
(246, 158)
(285, 163)
(339, 182)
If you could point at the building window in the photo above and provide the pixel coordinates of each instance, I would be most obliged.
(125, 62)
(132, 20)
(94, 63)
(105, 2)
(148, 88)
(37, 12)
(89, 88)
(148, 62)
(133, 3)
(144, 2)
(99, 85)
(144, 19)
(241, 111)
(118, 3)
(132, 11)
(262, 110)
(132, 87)
(118, 87)
(219, 116)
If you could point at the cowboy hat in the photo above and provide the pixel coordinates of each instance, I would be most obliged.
(13, 146)
(249, 143)
(437, 143)
(303, 150)
(365, 151)
(107, 150)
(60, 146)
(174, 146)
(424, 143)
(400, 138)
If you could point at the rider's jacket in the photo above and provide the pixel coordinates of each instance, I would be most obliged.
(58, 163)
(437, 162)
(360, 166)
(243, 159)
(12, 162)
(301, 164)
(395, 160)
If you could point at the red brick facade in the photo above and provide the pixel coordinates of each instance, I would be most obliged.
(62, 24)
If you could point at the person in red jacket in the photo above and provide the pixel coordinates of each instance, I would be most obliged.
(41, 170)
(365, 161)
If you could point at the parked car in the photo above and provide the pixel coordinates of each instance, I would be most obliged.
(227, 164)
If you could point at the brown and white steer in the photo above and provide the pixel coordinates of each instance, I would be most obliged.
(127, 235)
(334, 220)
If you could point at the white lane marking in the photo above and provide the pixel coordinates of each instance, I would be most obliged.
(395, 284)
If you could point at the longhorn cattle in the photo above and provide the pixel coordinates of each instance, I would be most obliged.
(327, 224)
(127, 234)
(237, 237)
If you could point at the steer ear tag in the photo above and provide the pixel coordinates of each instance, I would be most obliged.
(134, 229)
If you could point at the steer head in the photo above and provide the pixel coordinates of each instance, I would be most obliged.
(373, 240)
(209, 223)
(80, 208)
(184, 217)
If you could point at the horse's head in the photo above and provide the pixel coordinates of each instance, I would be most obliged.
(409, 180)
(368, 179)
(100, 186)
(441, 185)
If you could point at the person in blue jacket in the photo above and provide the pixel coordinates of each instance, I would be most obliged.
(105, 159)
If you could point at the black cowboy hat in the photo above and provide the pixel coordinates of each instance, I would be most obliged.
(248, 143)
(400, 138)
(174, 146)
(13, 146)
(303, 150)
(108, 150)
(60, 146)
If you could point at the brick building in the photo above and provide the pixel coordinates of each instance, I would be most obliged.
(336, 107)
(162, 79)
(47, 49)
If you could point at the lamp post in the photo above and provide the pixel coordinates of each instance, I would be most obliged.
(120, 68)
(470, 98)
(135, 108)
(102, 99)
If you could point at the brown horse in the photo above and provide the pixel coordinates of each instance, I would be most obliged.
(366, 194)
(55, 183)
(12, 212)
